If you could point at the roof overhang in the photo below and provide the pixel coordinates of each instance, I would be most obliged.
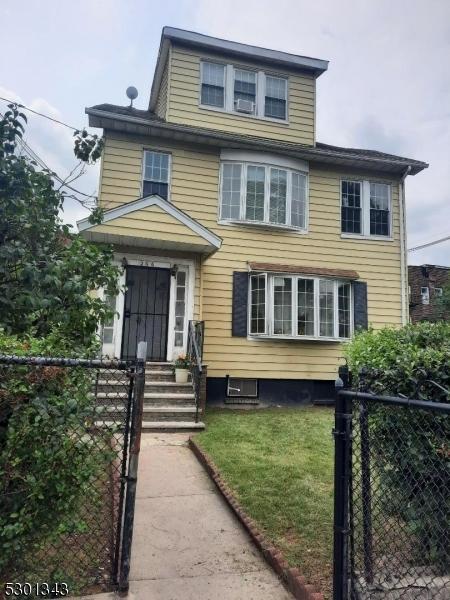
(117, 228)
(313, 66)
(220, 139)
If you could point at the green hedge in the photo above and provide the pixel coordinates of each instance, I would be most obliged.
(410, 448)
(47, 462)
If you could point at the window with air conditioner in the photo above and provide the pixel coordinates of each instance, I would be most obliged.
(250, 92)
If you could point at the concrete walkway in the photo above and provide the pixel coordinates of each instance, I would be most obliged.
(187, 544)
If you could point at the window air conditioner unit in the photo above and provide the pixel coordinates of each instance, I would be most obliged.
(245, 106)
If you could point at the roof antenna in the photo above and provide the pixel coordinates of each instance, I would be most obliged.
(132, 94)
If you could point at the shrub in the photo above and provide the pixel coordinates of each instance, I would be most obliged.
(410, 448)
(47, 462)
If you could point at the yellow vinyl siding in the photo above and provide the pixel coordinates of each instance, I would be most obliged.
(151, 222)
(162, 101)
(184, 97)
(194, 189)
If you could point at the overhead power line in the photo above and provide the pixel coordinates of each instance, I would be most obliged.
(41, 114)
(26, 149)
(444, 239)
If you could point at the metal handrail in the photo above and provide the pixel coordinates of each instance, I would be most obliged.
(194, 352)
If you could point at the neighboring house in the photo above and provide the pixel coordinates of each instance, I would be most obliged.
(426, 285)
(224, 208)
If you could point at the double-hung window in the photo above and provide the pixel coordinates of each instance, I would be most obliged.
(295, 306)
(263, 194)
(275, 98)
(366, 208)
(156, 174)
(213, 84)
(244, 91)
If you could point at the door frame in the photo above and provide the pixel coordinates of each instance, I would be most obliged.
(162, 262)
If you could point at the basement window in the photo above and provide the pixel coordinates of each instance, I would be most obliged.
(242, 388)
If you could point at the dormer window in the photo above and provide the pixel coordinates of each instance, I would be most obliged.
(213, 84)
(243, 91)
(275, 97)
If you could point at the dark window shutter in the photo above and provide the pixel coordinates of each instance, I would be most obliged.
(361, 320)
(240, 304)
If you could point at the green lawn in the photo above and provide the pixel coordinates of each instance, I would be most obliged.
(279, 462)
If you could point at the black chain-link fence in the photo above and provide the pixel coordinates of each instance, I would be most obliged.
(64, 435)
(392, 517)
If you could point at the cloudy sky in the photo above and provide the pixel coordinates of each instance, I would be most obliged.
(387, 87)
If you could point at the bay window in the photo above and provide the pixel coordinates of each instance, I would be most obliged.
(366, 208)
(263, 194)
(296, 306)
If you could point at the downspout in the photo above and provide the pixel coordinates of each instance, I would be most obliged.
(403, 248)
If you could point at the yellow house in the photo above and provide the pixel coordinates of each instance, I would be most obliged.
(224, 209)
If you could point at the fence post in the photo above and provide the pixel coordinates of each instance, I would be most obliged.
(366, 486)
(135, 443)
(342, 457)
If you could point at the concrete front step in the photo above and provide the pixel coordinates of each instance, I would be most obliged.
(158, 366)
(172, 426)
(159, 425)
(148, 396)
(110, 386)
(168, 413)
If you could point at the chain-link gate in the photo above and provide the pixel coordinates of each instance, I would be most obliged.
(392, 498)
(66, 428)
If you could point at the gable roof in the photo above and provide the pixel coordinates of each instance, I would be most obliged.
(314, 66)
(144, 122)
(203, 240)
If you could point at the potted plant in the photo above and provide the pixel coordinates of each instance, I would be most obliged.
(182, 366)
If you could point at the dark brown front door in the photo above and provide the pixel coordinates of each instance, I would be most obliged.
(146, 312)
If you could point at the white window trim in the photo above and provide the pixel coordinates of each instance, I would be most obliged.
(269, 306)
(169, 182)
(425, 295)
(163, 262)
(229, 92)
(242, 221)
(266, 300)
(365, 211)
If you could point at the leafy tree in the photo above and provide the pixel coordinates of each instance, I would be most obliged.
(443, 304)
(46, 272)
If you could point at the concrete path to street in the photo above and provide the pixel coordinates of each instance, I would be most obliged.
(187, 544)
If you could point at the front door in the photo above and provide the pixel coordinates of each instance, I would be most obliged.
(146, 312)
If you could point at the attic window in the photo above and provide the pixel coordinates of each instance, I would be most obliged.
(156, 174)
(244, 92)
(213, 84)
(275, 98)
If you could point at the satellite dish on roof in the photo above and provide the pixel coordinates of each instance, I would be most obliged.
(132, 93)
